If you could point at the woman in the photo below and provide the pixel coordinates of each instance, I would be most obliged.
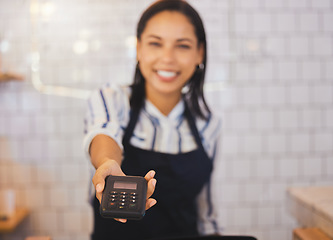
(160, 124)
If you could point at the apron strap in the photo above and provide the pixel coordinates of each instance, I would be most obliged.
(193, 127)
(134, 115)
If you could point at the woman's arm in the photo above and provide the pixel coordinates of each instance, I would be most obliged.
(106, 157)
(103, 148)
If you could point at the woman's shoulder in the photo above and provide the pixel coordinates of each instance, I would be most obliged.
(211, 124)
(110, 91)
(115, 89)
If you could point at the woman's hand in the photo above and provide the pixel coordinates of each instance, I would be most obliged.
(111, 167)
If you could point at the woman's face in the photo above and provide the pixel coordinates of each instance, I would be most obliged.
(168, 53)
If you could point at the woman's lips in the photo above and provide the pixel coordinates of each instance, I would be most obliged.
(166, 75)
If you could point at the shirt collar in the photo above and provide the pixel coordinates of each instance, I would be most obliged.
(174, 115)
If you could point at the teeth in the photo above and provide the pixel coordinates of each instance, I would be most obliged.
(166, 73)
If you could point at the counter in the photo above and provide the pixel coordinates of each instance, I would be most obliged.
(312, 207)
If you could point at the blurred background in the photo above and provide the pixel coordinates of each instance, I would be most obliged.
(270, 78)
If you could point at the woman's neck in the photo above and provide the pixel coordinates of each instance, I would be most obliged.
(164, 103)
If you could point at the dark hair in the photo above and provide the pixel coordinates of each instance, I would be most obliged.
(194, 96)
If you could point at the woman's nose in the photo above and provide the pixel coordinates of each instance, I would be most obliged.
(167, 54)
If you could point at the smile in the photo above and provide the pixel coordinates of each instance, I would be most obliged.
(166, 74)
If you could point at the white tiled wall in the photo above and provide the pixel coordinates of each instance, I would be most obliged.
(273, 58)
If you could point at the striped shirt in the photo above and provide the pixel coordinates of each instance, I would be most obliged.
(109, 113)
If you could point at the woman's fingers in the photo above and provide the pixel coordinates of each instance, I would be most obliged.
(150, 202)
(121, 220)
(151, 183)
(110, 167)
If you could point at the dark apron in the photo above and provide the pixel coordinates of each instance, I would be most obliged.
(180, 178)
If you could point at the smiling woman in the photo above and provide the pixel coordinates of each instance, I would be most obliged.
(168, 54)
(155, 126)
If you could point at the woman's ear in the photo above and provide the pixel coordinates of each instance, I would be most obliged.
(201, 50)
(138, 50)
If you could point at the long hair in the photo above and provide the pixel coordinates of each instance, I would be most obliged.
(194, 96)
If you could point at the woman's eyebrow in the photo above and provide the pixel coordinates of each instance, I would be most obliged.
(185, 40)
(154, 36)
(178, 40)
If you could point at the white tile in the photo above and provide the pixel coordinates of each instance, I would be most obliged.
(5, 150)
(312, 166)
(80, 195)
(252, 144)
(48, 221)
(33, 149)
(58, 197)
(240, 120)
(45, 124)
(299, 95)
(279, 232)
(323, 141)
(300, 143)
(321, 5)
(266, 216)
(265, 169)
(243, 71)
(276, 191)
(30, 101)
(8, 101)
(288, 168)
(262, 23)
(264, 72)
(72, 221)
(249, 4)
(309, 22)
(288, 70)
(57, 148)
(328, 118)
(277, 143)
(328, 70)
(70, 173)
(285, 22)
(299, 46)
(275, 96)
(22, 175)
(5, 171)
(298, 4)
(35, 197)
(243, 217)
(252, 96)
(327, 20)
(323, 94)
(252, 192)
(264, 120)
(242, 22)
(242, 169)
(230, 193)
(274, 5)
(322, 46)
(328, 167)
(275, 45)
(21, 126)
(311, 118)
(47, 173)
(230, 144)
(87, 220)
(288, 119)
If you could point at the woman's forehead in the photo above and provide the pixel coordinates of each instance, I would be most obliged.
(170, 23)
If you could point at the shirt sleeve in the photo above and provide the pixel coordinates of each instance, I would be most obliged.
(107, 113)
(207, 200)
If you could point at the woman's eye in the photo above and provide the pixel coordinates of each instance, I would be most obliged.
(184, 46)
(155, 44)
